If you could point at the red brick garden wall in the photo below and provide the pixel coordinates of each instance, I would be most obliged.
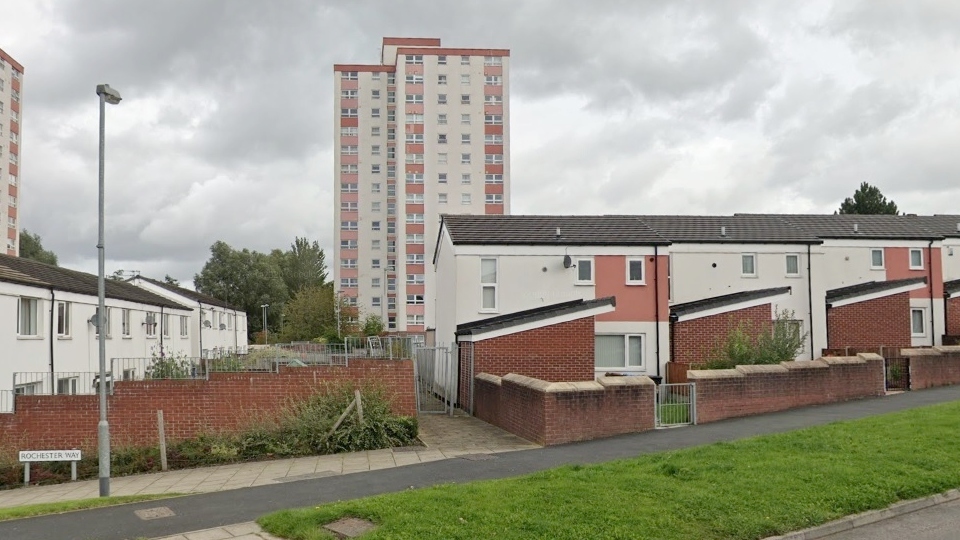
(749, 390)
(873, 323)
(692, 341)
(556, 413)
(226, 402)
(558, 352)
(939, 366)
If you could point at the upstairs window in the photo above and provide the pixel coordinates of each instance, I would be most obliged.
(635, 271)
(584, 271)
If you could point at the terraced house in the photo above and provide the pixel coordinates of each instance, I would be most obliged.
(678, 284)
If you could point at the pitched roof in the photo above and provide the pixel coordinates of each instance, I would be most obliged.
(951, 286)
(37, 274)
(732, 299)
(531, 315)
(542, 230)
(740, 229)
(193, 295)
(870, 287)
(849, 226)
(942, 224)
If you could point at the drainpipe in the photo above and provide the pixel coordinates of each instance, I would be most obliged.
(810, 297)
(163, 329)
(53, 329)
(200, 332)
(656, 295)
(673, 340)
(933, 327)
(946, 306)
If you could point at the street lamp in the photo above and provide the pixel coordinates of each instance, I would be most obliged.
(266, 336)
(111, 96)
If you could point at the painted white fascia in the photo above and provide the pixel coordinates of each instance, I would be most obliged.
(558, 250)
(874, 296)
(733, 307)
(567, 317)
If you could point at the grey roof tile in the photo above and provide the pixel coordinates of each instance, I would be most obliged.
(30, 272)
(542, 230)
(870, 287)
(193, 295)
(732, 299)
(849, 226)
(740, 229)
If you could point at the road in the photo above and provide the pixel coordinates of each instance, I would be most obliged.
(941, 522)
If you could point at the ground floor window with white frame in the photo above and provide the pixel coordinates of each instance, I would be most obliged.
(918, 322)
(618, 351)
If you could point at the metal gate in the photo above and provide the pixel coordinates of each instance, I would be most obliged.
(435, 374)
(897, 371)
(676, 405)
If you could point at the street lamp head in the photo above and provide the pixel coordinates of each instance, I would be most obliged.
(264, 305)
(108, 94)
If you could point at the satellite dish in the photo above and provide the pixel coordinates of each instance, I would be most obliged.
(223, 326)
(150, 319)
(567, 261)
(207, 324)
(95, 320)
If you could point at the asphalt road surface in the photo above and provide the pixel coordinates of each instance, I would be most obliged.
(941, 522)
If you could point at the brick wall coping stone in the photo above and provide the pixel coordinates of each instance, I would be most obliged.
(932, 351)
(761, 368)
(579, 386)
(492, 379)
(634, 380)
(805, 364)
(841, 360)
(695, 374)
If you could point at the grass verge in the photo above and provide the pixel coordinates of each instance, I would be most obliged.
(31, 510)
(746, 489)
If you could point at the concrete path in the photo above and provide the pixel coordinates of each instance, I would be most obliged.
(444, 437)
(941, 522)
(211, 511)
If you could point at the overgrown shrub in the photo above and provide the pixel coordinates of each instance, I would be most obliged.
(747, 345)
(299, 430)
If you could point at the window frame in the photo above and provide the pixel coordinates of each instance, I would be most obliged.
(753, 258)
(125, 323)
(493, 285)
(35, 314)
(910, 260)
(626, 351)
(883, 259)
(786, 263)
(923, 322)
(577, 262)
(643, 271)
(63, 319)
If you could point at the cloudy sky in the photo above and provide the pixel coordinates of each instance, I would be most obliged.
(618, 106)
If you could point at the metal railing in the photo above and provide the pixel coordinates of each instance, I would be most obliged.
(6, 401)
(676, 404)
(46, 383)
(154, 368)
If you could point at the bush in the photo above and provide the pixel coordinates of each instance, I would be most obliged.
(746, 345)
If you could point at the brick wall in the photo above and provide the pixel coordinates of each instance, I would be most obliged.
(558, 352)
(937, 366)
(692, 341)
(561, 412)
(873, 323)
(226, 402)
(953, 316)
(748, 390)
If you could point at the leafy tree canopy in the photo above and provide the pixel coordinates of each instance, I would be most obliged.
(868, 200)
(302, 266)
(31, 247)
(171, 281)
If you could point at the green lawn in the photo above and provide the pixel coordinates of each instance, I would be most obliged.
(32, 510)
(746, 489)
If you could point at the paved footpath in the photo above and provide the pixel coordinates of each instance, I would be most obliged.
(205, 516)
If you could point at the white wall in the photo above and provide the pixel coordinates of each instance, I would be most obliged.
(700, 271)
(78, 350)
(951, 263)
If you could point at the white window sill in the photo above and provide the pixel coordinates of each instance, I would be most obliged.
(488, 311)
(918, 335)
(151, 337)
(60, 338)
(30, 338)
(583, 283)
(793, 276)
(127, 337)
(916, 268)
(879, 268)
(748, 276)
(636, 283)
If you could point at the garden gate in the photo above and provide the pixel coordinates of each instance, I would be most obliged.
(676, 405)
(435, 374)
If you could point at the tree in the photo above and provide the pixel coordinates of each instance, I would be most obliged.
(117, 275)
(247, 279)
(868, 200)
(310, 314)
(171, 281)
(372, 325)
(302, 266)
(31, 247)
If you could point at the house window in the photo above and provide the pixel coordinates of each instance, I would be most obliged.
(493, 198)
(375, 169)
(442, 138)
(374, 225)
(918, 322)
(375, 206)
(414, 320)
(125, 322)
(442, 198)
(441, 119)
(348, 244)
(415, 219)
(375, 94)
(349, 75)
(105, 323)
(375, 283)
(414, 98)
(488, 285)
(441, 79)
(442, 178)
(876, 258)
(67, 385)
(348, 132)
(414, 138)
(493, 159)
(493, 119)
(464, 99)
(414, 59)
(375, 244)
(185, 326)
(414, 79)
(493, 139)
(464, 159)
(374, 301)
(414, 198)
(348, 225)
(492, 61)
(465, 138)
(27, 318)
(442, 158)
(442, 59)
(415, 258)
(617, 351)
(414, 118)
(375, 264)
(465, 119)
(464, 60)
(493, 100)
(374, 187)
(415, 299)
(441, 99)
(465, 178)
(375, 113)
(635, 271)
(375, 150)
(348, 113)
(414, 279)
(493, 179)
(916, 259)
(493, 80)
(415, 238)
(748, 264)
(414, 178)
(793, 265)
(347, 206)
(63, 319)
(151, 325)
(348, 283)
(465, 198)
(165, 325)
(792, 329)
(465, 78)
(584, 271)
(347, 187)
